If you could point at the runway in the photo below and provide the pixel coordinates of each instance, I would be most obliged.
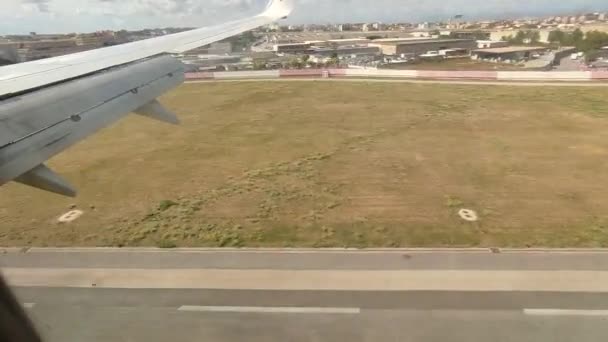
(265, 309)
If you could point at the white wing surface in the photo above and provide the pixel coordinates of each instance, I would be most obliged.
(48, 105)
(20, 77)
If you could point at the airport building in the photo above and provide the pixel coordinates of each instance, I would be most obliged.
(346, 51)
(511, 53)
(347, 42)
(292, 48)
(489, 44)
(421, 46)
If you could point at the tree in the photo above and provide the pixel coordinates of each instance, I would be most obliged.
(577, 36)
(295, 63)
(594, 40)
(480, 35)
(334, 60)
(557, 37)
(524, 37)
(519, 38)
(534, 36)
(592, 55)
(259, 65)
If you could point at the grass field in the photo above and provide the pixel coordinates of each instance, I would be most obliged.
(335, 164)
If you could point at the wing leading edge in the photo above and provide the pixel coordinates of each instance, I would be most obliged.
(21, 77)
(63, 100)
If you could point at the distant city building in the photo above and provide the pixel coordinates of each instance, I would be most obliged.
(601, 16)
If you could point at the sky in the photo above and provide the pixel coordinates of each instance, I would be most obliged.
(62, 16)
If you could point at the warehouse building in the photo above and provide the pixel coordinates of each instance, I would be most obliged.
(346, 51)
(511, 53)
(292, 48)
(419, 47)
(348, 42)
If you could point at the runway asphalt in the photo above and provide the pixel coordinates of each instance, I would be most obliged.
(387, 310)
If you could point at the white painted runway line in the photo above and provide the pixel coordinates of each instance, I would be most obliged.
(566, 312)
(270, 309)
(29, 305)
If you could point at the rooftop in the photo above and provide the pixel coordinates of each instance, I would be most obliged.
(393, 40)
(511, 49)
(293, 44)
(346, 40)
(423, 41)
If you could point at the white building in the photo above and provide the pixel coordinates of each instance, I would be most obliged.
(489, 44)
(420, 34)
(273, 27)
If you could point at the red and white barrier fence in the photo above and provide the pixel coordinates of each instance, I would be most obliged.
(415, 74)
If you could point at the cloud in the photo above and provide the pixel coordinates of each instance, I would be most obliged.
(40, 5)
(90, 15)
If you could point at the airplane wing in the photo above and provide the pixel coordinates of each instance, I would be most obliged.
(48, 105)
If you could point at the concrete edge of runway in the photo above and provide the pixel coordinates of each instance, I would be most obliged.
(328, 280)
(472, 82)
(296, 250)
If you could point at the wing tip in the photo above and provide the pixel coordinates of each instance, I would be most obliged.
(279, 9)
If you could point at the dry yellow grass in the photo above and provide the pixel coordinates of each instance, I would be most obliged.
(335, 164)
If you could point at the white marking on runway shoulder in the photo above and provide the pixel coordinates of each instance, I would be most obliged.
(29, 305)
(565, 312)
(270, 309)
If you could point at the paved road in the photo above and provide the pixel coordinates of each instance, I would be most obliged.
(568, 64)
(81, 311)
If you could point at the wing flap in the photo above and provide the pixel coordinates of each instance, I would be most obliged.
(43, 178)
(155, 110)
